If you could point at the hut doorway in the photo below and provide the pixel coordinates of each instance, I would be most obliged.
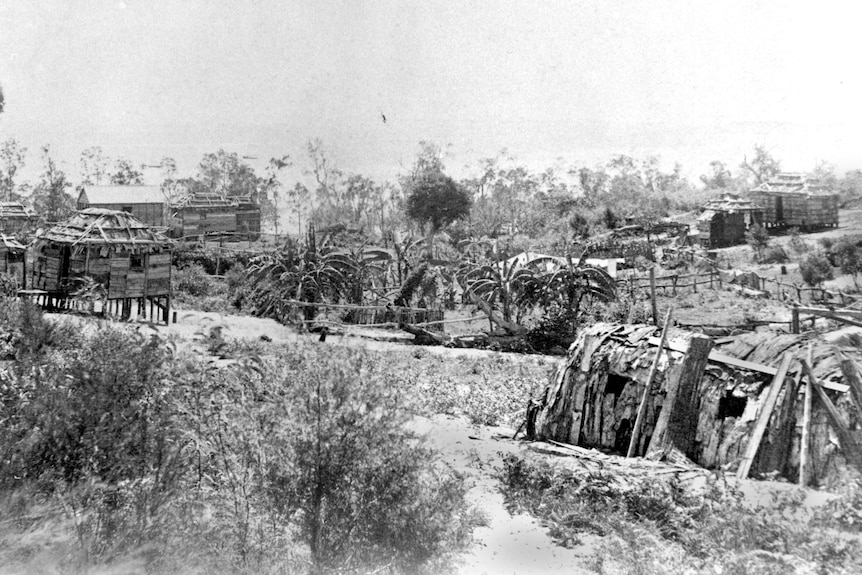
(779, 209)
(623, 436)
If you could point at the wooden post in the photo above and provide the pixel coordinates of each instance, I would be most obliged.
(850, 371)
(677, 423)
(849, 446)
(639, 419)
(652, 295)
(694, 285)
(794, 321)
(673, 280)
(806, 425)
(711, 272)
(763, 418)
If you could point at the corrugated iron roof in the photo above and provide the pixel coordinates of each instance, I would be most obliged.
(730, 203)
(99, 195)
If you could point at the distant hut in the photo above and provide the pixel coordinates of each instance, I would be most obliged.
(12, 260)
(15, 219)
(145, 203)
(131, 260)
(214, 215)
(793, 200)
(594, 399)
(725, 220)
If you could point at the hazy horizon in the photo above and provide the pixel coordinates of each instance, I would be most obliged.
(563, 82)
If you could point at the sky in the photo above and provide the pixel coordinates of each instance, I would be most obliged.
(555, 83)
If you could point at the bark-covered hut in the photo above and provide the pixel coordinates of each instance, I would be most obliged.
(710, 405)
(131, 261)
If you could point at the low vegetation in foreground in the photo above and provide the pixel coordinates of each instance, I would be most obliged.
(651, 526)
(120, 450)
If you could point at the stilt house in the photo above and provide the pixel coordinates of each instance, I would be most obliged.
(214, 215)
(131, 260)
(145, 203)
(793, 200)
(705, 407)
(725, 220)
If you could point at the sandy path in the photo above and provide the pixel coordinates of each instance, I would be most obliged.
(507, 543)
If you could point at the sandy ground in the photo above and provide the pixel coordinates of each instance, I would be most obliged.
(507, 543)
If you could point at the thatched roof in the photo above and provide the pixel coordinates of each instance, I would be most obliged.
(12, 244)
(14, 210)
(794, 183)
(101, 227)
(209, 200)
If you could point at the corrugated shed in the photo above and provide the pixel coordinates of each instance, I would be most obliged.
(126, 195)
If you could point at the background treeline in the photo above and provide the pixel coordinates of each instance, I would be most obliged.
(508, 199)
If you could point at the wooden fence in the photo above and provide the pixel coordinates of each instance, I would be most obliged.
(674, 284)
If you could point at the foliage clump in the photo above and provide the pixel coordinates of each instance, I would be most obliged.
(815, 269)
(267, 463)
(652, 526)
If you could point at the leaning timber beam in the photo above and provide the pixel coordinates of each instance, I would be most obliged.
(511, 328)
(639, 419)
(763, 418)
(677, 423)
(424, 336)
(849, 445)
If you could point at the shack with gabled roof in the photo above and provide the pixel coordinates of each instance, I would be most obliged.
(725, 220)
(130, 260)
(145, 203)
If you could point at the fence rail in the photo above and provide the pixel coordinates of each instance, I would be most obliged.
(673, 284)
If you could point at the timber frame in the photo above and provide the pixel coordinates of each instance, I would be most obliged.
(107, 256)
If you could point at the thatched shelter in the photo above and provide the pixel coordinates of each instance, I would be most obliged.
(595, 396)
(130, 260)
